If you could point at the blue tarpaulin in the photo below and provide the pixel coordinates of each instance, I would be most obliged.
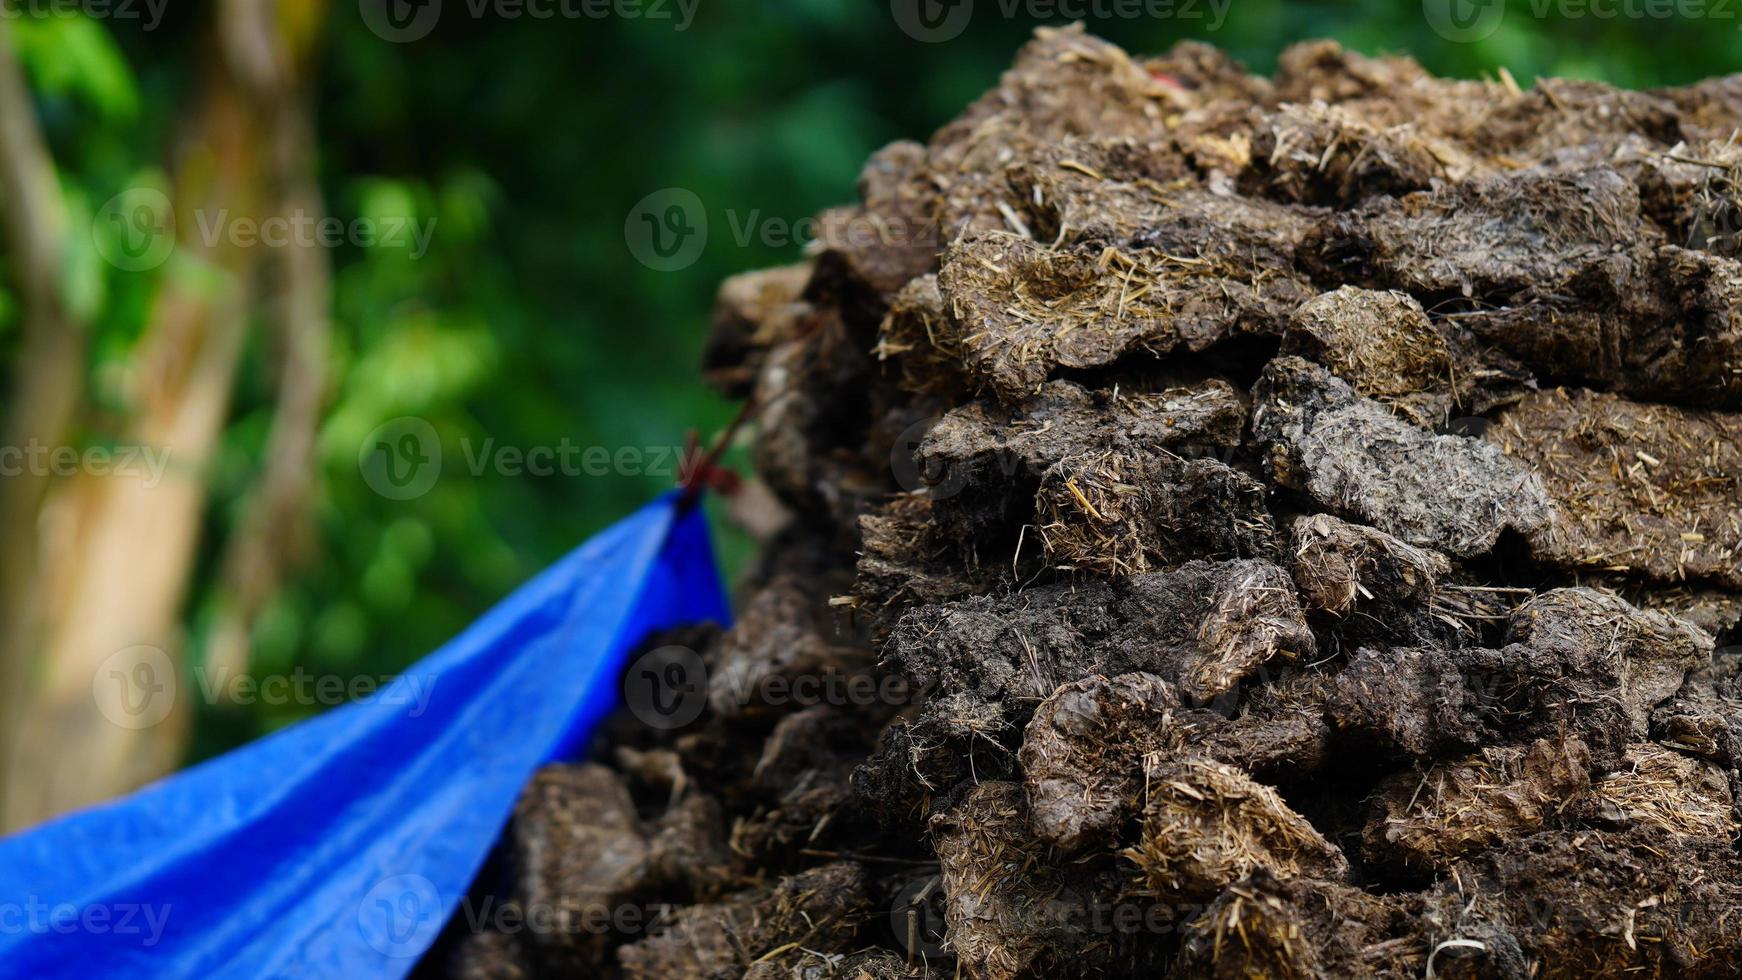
(339, 847)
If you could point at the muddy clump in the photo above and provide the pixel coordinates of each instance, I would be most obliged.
(1233, 527)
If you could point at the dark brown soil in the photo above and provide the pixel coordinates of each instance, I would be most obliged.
(1234, 527)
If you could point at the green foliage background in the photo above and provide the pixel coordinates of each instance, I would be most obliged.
(528, 141)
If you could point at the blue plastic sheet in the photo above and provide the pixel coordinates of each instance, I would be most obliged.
(340, 847)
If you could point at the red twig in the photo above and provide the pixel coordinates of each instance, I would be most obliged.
(706, 473)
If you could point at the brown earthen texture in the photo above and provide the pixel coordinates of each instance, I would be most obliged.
(1249, 527)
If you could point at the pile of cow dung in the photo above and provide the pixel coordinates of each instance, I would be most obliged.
(1235, 527)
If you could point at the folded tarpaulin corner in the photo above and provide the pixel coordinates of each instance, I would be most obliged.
(340, 847)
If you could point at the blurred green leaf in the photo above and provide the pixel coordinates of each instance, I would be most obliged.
(69, 56)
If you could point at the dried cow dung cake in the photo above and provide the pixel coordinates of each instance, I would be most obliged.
(1233, 527)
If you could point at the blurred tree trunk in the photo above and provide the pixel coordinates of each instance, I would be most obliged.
(50, 372)
(273, 530)
(119, 550)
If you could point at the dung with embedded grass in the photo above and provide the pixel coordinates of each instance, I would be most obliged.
(1233, 527)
